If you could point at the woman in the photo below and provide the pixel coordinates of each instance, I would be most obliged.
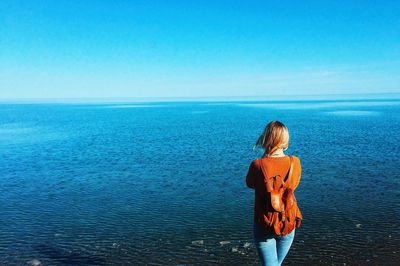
(272, 247)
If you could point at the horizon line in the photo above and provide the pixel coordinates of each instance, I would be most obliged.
(273, 97)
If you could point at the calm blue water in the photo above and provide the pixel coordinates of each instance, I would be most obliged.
(164, 183)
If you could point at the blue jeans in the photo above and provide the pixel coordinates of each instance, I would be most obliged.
(271, 248)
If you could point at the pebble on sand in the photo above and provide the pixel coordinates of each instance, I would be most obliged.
(34, 262)
(198, 242)
(246, 244)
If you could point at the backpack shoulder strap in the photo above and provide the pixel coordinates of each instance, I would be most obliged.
(290, 171)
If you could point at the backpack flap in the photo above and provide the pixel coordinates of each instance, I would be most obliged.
(276, 186)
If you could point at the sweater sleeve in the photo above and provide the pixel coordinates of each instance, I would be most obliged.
(299, 173)
(251, 175)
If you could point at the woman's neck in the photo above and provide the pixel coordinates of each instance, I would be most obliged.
(277, 153)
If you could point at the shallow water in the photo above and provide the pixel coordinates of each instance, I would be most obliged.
(109, 184)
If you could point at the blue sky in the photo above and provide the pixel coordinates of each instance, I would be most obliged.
(59, 49)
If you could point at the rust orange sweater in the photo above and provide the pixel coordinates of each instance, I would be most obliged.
(255, 180)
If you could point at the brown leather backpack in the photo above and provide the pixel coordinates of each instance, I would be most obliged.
(283, 212)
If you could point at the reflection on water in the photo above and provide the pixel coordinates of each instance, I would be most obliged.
(132, 106)
(354, 113)
(320, 104)
(199, 112)
(19, 133)
(13, 129)
(162, 186)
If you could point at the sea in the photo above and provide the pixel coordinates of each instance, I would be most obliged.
(163, 182)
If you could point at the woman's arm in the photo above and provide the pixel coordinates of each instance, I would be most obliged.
(251, 176)
(299, 173)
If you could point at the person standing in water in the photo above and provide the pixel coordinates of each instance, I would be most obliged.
(272, 248)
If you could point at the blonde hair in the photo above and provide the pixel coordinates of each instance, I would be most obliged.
(274, 137)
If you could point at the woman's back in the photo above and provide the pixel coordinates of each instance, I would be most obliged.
(273, 166)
